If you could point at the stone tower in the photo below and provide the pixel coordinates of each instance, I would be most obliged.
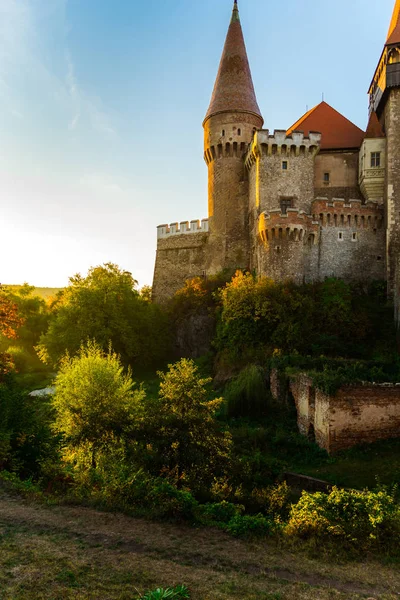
(385, 101)
(231, 120)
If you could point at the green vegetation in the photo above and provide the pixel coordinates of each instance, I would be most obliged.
(106, 307)
(175, 446)
(180, 592)
(46, 293)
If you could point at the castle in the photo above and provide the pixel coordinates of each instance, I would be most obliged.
(321, 199)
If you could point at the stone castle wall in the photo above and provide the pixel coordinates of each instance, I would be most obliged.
(351, 242)
(226, 137)
(357, 414)
(392, 130)
(342, 168)
(181, 255)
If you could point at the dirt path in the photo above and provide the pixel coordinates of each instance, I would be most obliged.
(72, 552)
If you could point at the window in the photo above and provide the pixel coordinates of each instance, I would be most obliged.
(239, 132)
(285, 204)
(375, 159)
(354, 237)
(223, 133)
(340, 236)
(327, 177)
(284, 165)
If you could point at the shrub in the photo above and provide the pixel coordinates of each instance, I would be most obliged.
(180, 592)
(246, 395)
(218, 512)
(365, 518)
(250, 525)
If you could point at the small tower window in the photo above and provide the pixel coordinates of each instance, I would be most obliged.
(239, 132)
(223, 133)
(285, 204)
(284, 165)
(327, 178)
(354, 237)
(340, 236)
(375, 159)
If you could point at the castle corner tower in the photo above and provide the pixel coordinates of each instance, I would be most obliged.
(384, 95)
(229, 125)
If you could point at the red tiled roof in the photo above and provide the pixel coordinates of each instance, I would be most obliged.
(234, 89)
(394, 29)
(374, 129)
(337, 131)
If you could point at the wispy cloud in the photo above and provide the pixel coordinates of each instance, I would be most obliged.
(73, 92)
(23, 58)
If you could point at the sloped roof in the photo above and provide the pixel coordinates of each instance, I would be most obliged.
(234, 89)
(394, 29)
(374, 129)
(337, 131)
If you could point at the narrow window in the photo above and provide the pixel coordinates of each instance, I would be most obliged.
(354, 237)
(285, 204)
(375, 159)
(340, 235)
(239, 132)
(284, 165)
(327, 178)
(223, 133)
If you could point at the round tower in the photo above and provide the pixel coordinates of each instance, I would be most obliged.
(229, 125)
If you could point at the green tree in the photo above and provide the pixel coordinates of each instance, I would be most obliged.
(106, 307)
(184, 440)
(95, 399)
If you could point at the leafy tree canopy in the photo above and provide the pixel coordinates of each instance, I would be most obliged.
(95, 399)
(105, 306)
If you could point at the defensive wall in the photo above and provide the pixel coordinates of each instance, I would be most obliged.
(181, 255)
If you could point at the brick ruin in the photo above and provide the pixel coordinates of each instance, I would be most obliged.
(356, 414)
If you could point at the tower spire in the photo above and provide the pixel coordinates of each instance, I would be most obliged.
(394, 29)
(234, 89)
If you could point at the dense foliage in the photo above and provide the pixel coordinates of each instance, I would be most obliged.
(258, 316)
(174, 447)
(105, 306)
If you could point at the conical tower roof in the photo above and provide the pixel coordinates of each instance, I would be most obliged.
(394, 29)
(234, 89)
(374, 129)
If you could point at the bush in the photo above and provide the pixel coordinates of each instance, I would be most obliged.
(246, 395)
(367, 518)
(218, 512)
(180, 592)
(250, 525)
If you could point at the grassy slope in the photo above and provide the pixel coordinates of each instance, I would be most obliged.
(43, 292)
(65, 552)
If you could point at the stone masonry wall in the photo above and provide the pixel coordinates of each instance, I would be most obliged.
(392, 130)
(359, 414)
(226, 137)
(342, 168)
(179, 257)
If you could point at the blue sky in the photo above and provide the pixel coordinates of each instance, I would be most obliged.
(101, 106)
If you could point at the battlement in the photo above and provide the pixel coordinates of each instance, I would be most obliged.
(227, 150)
(293, 145)
(183, 228)
(351, 213)
(294, 225)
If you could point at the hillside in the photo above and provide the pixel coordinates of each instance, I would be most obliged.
(61, 552)
(43, 292)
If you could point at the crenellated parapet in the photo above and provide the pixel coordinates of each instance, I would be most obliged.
(294, 145)
(183, 228)
(352, 213)
(294, 225)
